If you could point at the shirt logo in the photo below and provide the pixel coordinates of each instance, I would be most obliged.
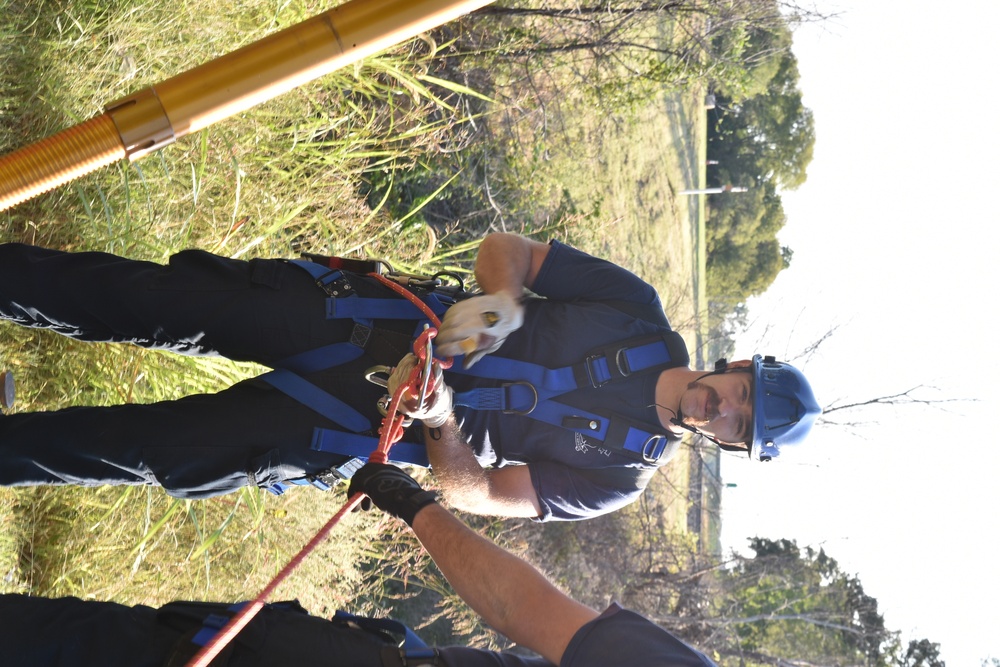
(582, 445)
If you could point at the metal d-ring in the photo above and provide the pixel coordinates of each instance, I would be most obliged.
(650, 447)
(621, 361)
(534, 394)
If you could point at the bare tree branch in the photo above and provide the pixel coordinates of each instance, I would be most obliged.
(900, 398)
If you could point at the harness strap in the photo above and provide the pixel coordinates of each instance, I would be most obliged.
(361, 308)
(618, 361)
(645, 442)
(638, 440)
(411, 639)
(612, 363)
(212, 623)
(324, 357)
(531, 388)
(317, 400)
(360, 446)
(527, 390)
(345, 303)
(321, 273)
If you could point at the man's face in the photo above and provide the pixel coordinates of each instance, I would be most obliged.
(720, 405)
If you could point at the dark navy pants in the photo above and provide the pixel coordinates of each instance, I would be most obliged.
(202, 304)
(68, 632)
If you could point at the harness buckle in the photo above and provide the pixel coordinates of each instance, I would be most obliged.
(534, 398)
(590, 372)
(652, 449)
(331, 477)
(338, 288)
(345, 470)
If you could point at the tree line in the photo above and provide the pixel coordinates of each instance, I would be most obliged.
(777, 604)
(760, 137)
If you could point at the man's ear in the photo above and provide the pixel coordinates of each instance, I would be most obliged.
(742, 363)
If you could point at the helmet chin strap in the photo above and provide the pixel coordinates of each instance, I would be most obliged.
(711, 438)
(721, 366)
(694, 429)
(675, 420)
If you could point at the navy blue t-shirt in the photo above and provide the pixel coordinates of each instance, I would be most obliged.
(580, 306)
(616, 637)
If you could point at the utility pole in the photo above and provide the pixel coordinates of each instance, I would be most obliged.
(714, 191)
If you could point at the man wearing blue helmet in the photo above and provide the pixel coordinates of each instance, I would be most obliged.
(589, 449)
(569, 390)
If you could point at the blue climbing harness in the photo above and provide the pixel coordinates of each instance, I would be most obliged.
(531, 390)
(526, 388)
(359, 438)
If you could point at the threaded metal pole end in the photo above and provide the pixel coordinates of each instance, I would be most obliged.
(58, 159)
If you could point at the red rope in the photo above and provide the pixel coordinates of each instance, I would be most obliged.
(210, 650)
(389, 434)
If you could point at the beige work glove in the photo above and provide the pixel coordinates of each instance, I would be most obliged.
(478, 326)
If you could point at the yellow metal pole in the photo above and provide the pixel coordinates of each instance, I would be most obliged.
(156, 116)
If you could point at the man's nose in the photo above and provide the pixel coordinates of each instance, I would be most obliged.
(727, 406)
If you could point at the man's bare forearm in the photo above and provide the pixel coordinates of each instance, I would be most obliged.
(462, 478)
(468, 486)
(508, 262)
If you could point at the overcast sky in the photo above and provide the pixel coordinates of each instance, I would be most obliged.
(895, 240)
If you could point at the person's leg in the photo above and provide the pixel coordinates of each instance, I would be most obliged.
(199, 303)
(68, 632)
(197, 446)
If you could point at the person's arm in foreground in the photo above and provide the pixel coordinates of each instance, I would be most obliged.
(511, 595)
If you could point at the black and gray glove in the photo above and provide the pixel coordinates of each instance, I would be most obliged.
(391, 489)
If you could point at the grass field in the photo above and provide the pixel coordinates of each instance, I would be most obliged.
(648, 227)
(287, 176)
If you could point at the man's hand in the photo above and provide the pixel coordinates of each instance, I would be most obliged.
(392, 490)
(437, 404)
(478, 326)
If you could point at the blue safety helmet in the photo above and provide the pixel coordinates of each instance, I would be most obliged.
(784, 407)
